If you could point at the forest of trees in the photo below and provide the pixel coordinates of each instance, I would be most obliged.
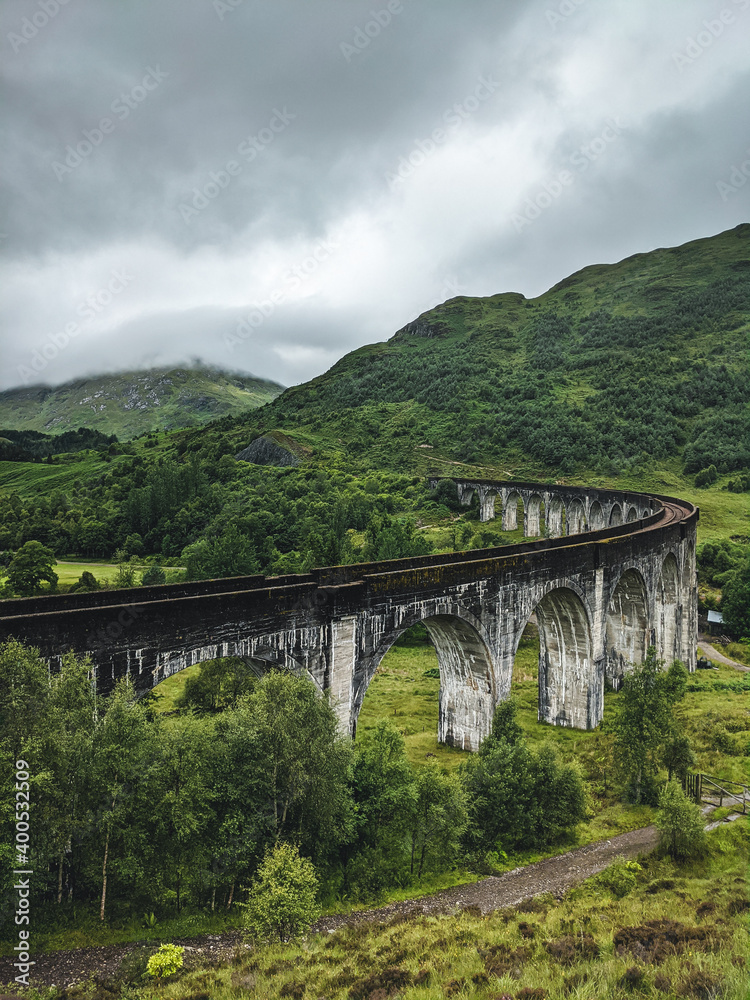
(33, 446)
(222, 518)
(133, 811)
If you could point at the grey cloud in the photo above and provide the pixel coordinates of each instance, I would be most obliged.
(198, 180)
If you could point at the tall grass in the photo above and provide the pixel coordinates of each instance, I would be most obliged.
(542, 949)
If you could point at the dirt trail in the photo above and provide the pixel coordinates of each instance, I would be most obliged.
(555, 875)
(713, 654)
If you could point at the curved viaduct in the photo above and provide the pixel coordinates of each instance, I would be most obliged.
(613, 573)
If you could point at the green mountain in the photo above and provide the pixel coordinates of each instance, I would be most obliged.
(614, 368)
(632, 375)
(130, 403)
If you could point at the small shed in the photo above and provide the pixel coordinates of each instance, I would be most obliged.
(715, 618)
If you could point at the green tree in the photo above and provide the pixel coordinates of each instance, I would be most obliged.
(680, 823)
(707, 477)
(558, 800)
(182, 799)
(498, 784)
(519, 798)
(30, 567)
(123, 753)
(383, 784)
(133, 545)
(65, 796)
(154, 576)
(24, 698)
(384, 793)
(292, 763)
(282, 897)
(24, 723)
(392, 538)
(644, 722)
(233, 554)
(678, 756)
(735, 601)
(218, 685)
(86, 583)
(505, 723)
(196, 558)
(438, 819)
(126, 569)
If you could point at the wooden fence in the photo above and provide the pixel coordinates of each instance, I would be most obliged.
(717, 791)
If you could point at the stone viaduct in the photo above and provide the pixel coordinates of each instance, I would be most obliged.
(610, 574)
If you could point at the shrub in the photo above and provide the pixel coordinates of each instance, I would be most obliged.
(707, 477)
(657, 940)
(620, 877)
(568, 949)
(633, 978)
(165, 962)
(501, 960)
(390, 981)
(154, 576)
(680, 824)
(282, 900)
(701, 985)
(86, 582)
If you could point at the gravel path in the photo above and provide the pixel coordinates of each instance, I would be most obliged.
(555, 875)
(713, 654)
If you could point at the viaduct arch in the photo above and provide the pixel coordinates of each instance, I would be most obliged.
(610, 574)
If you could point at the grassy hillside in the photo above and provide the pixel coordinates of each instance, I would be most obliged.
(539, 949)
(131, 403)
(614, 368)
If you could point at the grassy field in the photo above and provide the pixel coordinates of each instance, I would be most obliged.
(105, 572)
(70, 572)
(30, 479)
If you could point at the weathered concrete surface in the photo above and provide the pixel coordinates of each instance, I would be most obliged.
(600, 596)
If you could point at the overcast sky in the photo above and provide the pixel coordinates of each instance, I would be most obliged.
(268, 184)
